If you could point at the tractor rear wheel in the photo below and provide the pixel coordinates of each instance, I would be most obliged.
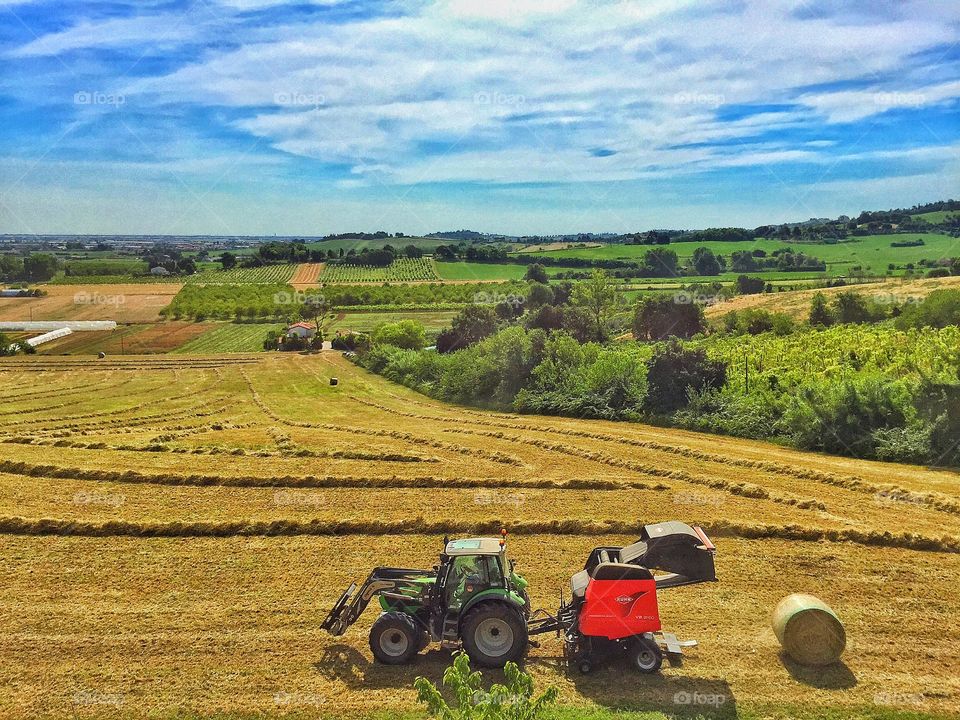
(645, 654)
(494, 634)
(394, 638)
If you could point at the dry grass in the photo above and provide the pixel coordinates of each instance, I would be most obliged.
(131, 302)
(306, 275)
(167, 531)
(797, 302)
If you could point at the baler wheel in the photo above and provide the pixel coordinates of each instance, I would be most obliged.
(645, 654)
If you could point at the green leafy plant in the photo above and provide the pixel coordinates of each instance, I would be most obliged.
(511, 701)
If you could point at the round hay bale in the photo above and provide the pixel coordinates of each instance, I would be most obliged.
(808, 630)
(101, 355)
(334, 381)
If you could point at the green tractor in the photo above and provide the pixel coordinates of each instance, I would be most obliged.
(472, 597)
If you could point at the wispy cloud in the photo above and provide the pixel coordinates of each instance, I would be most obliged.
(354, 97)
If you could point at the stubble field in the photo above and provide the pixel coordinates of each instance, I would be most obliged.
(174, 529)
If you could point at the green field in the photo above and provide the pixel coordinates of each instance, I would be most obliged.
(265, 274)
(400, 270)
(433, 321)
(230, 338)
(871, 252)
(936, 217)
(483, 272)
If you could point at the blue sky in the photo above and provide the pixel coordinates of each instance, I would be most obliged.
(516, 116)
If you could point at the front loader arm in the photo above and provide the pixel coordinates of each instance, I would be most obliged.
(354, 601)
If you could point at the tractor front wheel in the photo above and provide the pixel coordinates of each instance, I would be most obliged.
(645, 654)
(494, 634)
(394, 638)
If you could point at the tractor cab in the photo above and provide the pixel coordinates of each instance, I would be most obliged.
(472, 567)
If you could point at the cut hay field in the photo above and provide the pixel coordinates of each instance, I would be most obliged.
(174, 529)
(797, 303)
(306, 275)
(132, 302)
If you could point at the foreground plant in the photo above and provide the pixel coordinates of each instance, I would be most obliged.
(512, 701)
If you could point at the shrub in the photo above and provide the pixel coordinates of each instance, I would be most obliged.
(406, 334)
(512, 701)
(660, 316)
(674, 371)
(939, 309)
(471, 325)
(843, 417)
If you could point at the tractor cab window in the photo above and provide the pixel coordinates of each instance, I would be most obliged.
(462, 568)
(494, 571)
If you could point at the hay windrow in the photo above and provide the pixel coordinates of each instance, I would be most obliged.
(422, 526)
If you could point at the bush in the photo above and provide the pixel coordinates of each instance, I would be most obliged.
(406, 334)
(843, 417)
(755, 321)
(660, 316)
(747, 285)
(939, 309)
(471, 325)
(513, 701)
(350, 341)
(674, 372)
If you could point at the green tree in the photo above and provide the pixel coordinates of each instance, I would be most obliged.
(40, 266)
(659, 262)
(536, 273)
(471, 325)
(939, 309)
(316, 307)
(659, 316)
(539, 295)
(598, 296)
(513, 700)
(820, 315)
(406, 334)
(705, 262)
(11, 267)
(675, 371)
(228, 260)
